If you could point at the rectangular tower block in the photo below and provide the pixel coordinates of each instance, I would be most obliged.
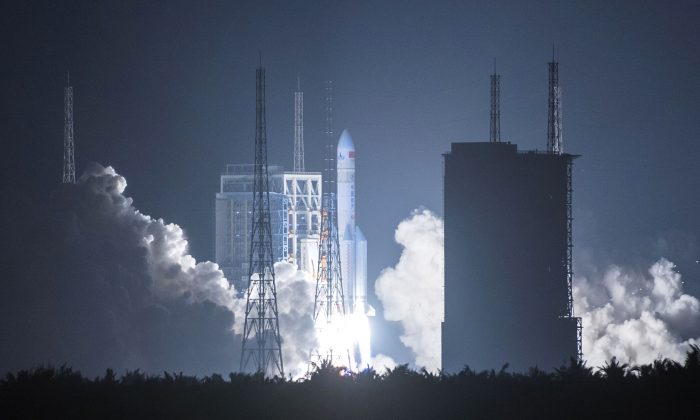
(506, 243)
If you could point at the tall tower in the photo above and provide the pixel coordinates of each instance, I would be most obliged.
(495, 136)
(68, 145)
(329, 302)
(298, 129)
(262, 345)
(554, 114)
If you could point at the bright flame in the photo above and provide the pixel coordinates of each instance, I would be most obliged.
(359, 328)
(345, 341)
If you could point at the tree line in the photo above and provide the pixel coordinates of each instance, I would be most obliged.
(659, 389)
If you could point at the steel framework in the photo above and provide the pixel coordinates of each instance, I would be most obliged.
(569, 238)
(570, 257)
(298, 129)
(262, 345)
(554, 113)
(495, 136)
(304, 197)
(68, 144)
(554, 146)
(329, 301)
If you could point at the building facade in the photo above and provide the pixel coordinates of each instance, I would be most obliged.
(233, 214)
(507, 258)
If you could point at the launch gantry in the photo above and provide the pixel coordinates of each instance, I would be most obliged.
(329, 301)
(262, 344)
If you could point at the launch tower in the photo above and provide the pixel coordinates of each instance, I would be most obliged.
(329, 302)
(262, 345)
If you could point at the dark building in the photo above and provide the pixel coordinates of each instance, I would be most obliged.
(507, 258)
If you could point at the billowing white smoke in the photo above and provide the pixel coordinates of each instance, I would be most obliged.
(381, 363)
(113, 287)
(636, 317)
(295, 305)
(174, 274)
(412, 291)
(99, 284)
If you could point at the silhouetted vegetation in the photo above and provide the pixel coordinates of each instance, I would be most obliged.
(660, 389)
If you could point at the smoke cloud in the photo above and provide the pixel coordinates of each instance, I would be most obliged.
(295, 306)
(382, 363)
(636, 317)
(94, 283)
(412, 291)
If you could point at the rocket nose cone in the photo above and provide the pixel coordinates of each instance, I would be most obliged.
(345, 141)
(346, 151)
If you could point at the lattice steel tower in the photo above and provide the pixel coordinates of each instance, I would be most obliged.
(495, 136)
(329, 302)
(68, 145)
(554, 146)
(554, 114)
(262, 345)
(298, 129)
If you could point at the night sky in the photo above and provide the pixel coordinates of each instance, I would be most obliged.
(165, 93)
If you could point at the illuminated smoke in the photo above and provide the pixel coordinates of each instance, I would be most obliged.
(412, 291)
(636, 317)
(295, 305)
(116, 288)
(102, 285)
(381, 363)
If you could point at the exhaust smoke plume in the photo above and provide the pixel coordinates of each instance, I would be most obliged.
(636, 317)
(412, 291)
(96, 284)
(295, 306)
(92, 282)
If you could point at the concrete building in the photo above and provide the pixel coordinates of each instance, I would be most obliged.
(507, 258)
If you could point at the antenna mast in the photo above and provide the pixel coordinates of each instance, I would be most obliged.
(554, 115)
(495, 136)
(298, 129)
(68, 145)
(262, 345)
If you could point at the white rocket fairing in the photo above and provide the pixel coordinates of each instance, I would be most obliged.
(346, 215)
(353, 247)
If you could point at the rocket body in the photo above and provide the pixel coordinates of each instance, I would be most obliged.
(353, 250)
(346, 215)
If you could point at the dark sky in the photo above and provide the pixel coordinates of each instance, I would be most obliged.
(164, 92)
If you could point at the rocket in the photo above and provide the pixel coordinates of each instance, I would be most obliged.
(349, 235)
(353, 247)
